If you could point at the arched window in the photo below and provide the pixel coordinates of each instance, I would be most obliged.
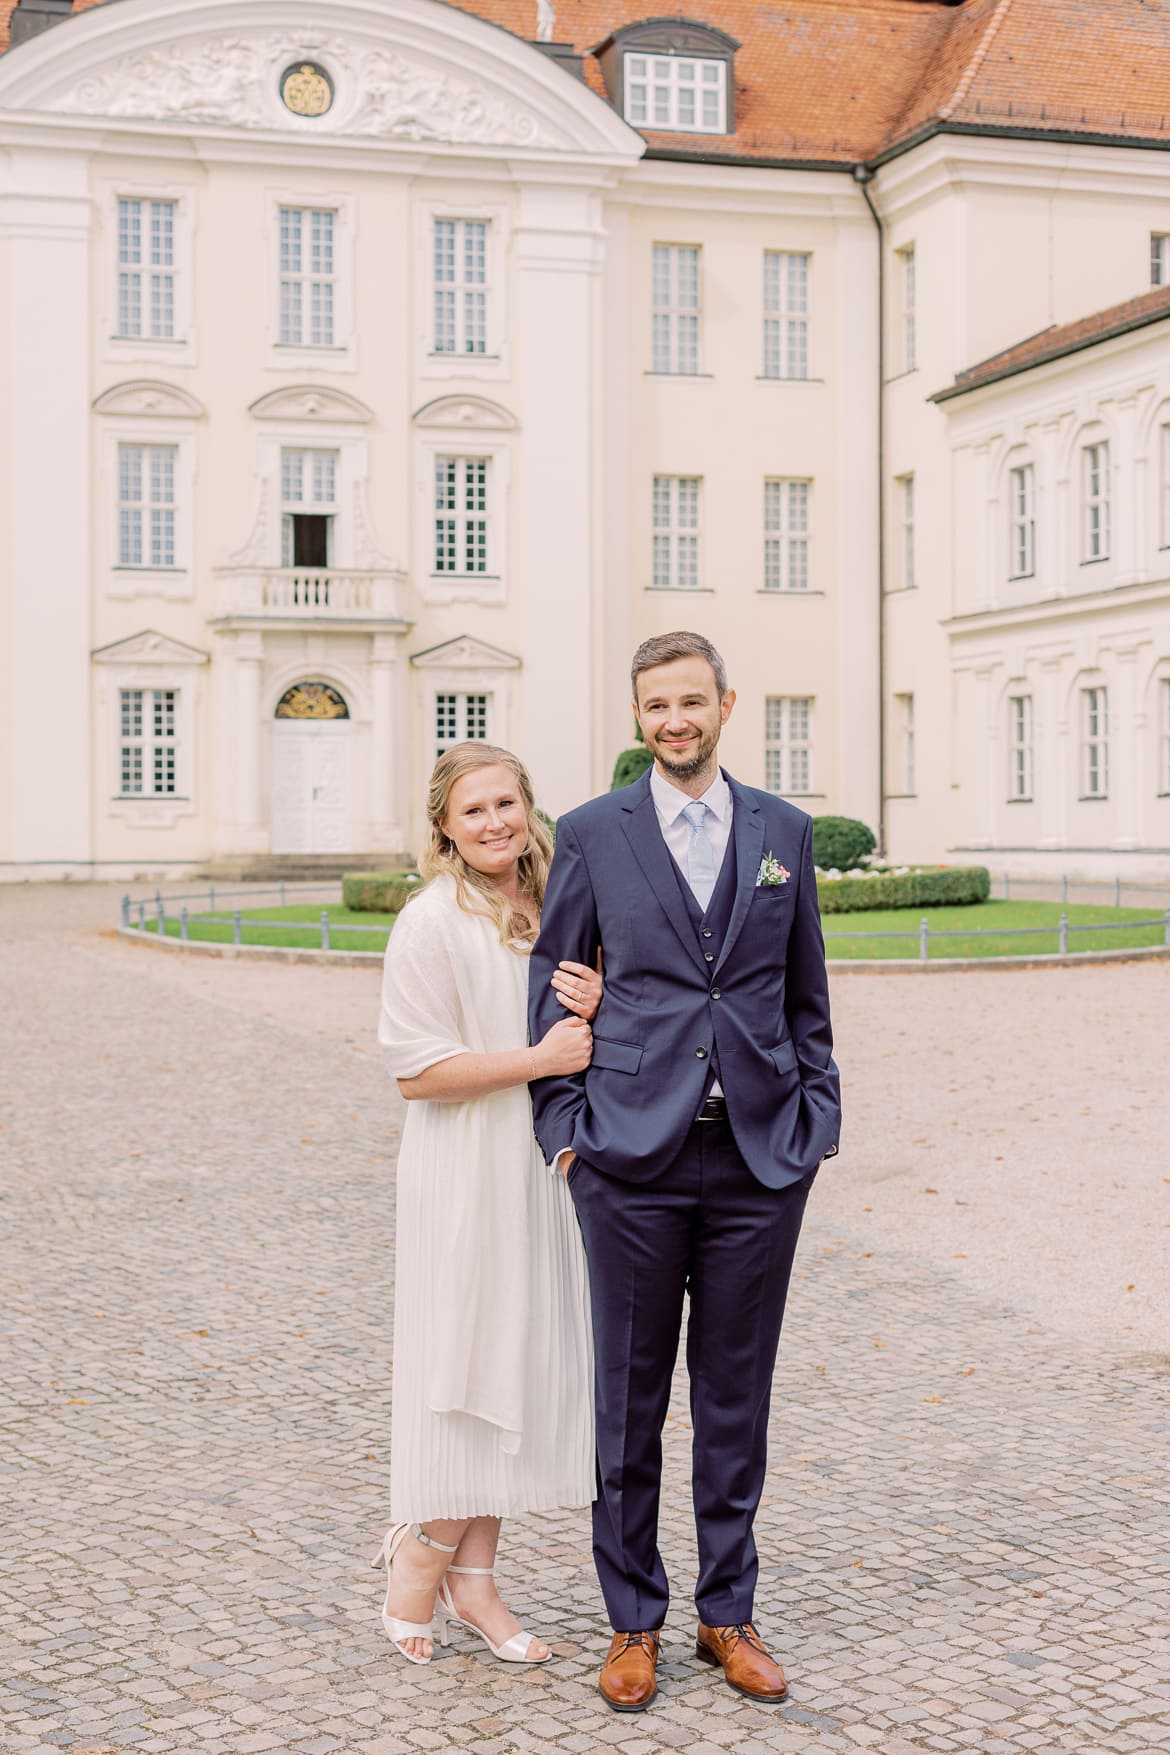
(312, 700)
(671, 75)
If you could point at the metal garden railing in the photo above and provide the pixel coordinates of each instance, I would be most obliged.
(927, 934)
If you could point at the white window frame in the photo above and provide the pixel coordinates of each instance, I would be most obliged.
(147, 506)
(787, 300)
(665, 93)
(1096, 502)
(789, 729)
(495, 362)
(312, 477)
(788, 512)
(1162, 685)
(1094, 741)
(1022, 521)
(676, 325)
(908, 268)
(473, 717)
(341, 354)
(1160, 259)
(127, 581)
(465, 519)
(459, 587)
(676, 538)
(907, 526)
(907, 751)
(179, 347)
(174, 668)
(467, 321)
(1021, 747)
(144, 737)
(314, 275)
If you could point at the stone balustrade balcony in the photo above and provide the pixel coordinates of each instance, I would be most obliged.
(351, 597)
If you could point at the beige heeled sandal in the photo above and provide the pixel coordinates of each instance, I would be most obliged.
(397, 1630)
(511, 1651)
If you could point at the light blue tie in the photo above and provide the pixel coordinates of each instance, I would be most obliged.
(700, 854)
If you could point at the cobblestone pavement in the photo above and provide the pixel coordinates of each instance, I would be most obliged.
(965, 1533)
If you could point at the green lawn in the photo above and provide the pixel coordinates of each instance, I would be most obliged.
(301, 926)
(1027, 929)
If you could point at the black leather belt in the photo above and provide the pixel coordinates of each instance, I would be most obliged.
(714, 1109)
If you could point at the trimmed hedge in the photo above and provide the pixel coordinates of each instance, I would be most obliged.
(929, 887)
(378, 892)
(630, 766)
(839, 843)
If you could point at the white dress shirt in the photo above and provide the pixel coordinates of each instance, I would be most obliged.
(670, 802)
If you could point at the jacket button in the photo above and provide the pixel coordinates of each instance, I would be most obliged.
(714, 993)
(706, 932)
(700, 1054)
(710, 956)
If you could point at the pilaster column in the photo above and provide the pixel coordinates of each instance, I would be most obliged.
(559, 252)
(1050, 506)
(249, 810)
(1125, 530)
(1125, 751)
(988, 746)
(46, 782)
(1050, 757)
(386, 685)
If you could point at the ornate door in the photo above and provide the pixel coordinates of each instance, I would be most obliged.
(312, 792)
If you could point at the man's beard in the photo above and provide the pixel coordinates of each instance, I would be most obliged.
(686, 767)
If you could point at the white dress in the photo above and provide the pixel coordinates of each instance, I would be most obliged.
(493, 1363)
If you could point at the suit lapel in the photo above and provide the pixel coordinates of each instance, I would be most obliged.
(748, 828)
(640, 823)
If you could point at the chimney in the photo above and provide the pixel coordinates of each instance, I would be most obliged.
(31, 17)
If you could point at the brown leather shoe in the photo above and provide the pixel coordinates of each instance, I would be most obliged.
(628, 1677)
(746, 1665)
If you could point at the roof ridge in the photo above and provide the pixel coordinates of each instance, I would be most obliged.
(982, 50)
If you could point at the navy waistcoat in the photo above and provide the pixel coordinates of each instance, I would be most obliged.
(710, 929)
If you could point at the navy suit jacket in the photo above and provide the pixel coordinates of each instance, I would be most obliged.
(612, 886)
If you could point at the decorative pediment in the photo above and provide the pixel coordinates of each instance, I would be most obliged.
(465, 653)
(311, 402)
(473, 413)
(148, 396)
(149, 647)
(410, 73)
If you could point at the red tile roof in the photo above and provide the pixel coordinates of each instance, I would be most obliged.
(836, 81)
(1063, 338)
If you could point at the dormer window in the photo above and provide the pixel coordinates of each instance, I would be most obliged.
(676, 92)
(671, 76)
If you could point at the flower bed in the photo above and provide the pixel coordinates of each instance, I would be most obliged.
(903, 886)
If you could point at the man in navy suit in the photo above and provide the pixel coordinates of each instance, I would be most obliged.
(690, 1143)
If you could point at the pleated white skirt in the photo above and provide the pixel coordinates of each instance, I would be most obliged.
(454, 1465)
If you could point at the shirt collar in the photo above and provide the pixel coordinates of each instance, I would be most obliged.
(670, 802)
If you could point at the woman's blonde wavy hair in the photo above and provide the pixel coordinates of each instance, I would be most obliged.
(476, 893)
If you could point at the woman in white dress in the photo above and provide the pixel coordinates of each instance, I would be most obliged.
(492, 1409)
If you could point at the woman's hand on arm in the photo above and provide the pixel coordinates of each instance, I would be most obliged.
(566, 1048)
(578, 988)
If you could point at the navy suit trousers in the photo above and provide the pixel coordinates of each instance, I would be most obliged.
(708, 1228)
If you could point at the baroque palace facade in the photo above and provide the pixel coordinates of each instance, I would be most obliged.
(377, 373)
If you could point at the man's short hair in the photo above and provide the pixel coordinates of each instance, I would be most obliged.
(665, 648)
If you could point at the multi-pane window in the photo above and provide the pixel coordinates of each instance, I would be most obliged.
(788, 743)
(461, 515)
(1019, 746)
(785, 314)
(907, 755)
(1159, 259)
(460, 258)
(146, 505)
(1095, 498)
(308, 276)
(148, 742)
(146, 270)
(676, 531)
(906, 522)
(1022, 497)
(786, 535)
(675, 291)
(1095, 743)
(909, 270)
(308, 498)
(676, 92)
(1164, 735)
(460, 718)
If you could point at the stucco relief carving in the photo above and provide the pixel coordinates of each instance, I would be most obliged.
(310, 402)
(149, 647)
(256, 550)
(146, 396)
(234, 81)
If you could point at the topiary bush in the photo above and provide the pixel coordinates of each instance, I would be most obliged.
(928, 887)
(841, 842)
(378, 892)
(630, 766)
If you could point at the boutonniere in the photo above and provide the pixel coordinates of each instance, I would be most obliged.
(771, 871)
